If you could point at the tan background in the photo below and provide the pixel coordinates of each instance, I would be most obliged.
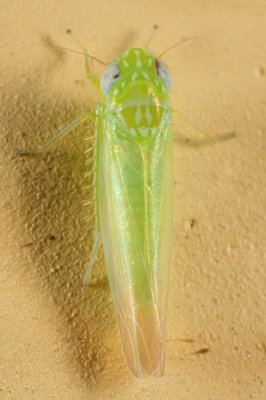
(59, 340)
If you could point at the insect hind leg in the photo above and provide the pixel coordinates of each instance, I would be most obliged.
(96, 245)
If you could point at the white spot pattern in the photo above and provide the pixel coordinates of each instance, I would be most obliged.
(125, 63)
(146, 76)
(144, 131)
(133, 131)
(148, 115)
(150, 61)
(138, 115)
(138, 63)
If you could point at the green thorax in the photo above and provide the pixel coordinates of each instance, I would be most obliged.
(139, 98)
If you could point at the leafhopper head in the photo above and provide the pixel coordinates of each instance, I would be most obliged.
(136, 87)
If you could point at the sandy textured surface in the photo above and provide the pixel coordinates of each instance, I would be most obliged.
(59, 340)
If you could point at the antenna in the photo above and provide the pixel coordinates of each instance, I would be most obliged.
(69, 32)
(153, 31)
(177, 44)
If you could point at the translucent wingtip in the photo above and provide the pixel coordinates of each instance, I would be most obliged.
(143, 338)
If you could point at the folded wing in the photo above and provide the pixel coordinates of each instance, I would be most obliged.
(135, 191)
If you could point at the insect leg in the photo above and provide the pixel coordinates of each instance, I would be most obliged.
(194, 124)
(90, 75)
(96, 245)
(97, 235)
(225, 136)
(61, 134)
(93, 78)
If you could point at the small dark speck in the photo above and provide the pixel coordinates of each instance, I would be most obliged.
(79, 82)
(201, 351)
(52, 237)
(189, 224)
(27, 244)
(192, 222)
(186, 340)
(259, 71)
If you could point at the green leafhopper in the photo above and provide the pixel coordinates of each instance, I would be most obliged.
(133, 193)
(135, 200)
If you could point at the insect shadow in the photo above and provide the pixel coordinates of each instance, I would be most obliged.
(50, 44)
(50, 191)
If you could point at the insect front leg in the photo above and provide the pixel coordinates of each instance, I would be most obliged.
(93, 78)
(62, 133)
(95, 81)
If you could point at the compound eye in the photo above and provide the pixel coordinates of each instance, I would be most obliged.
(164, 73)
(110, 75)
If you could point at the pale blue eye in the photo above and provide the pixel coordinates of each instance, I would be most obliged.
(110, 75)
(164, 73)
